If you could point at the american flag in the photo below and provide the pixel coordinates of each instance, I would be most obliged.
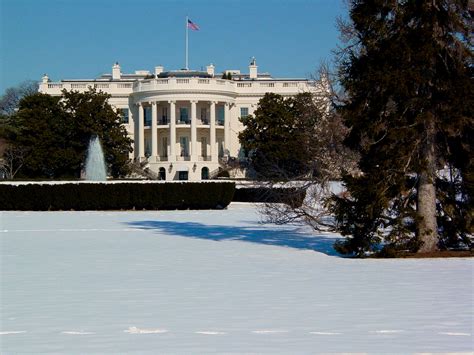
(193, 26)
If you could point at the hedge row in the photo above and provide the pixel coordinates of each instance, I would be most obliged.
(291, 196)
(119, 196)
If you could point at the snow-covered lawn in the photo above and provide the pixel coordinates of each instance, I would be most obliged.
(216, 281)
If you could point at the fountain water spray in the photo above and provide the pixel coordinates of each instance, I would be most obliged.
(95, 162)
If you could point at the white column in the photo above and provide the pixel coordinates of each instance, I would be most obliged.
(194, 153)
(133, 110)
(172, 143)
(154, 131)
(226, 127)
(213, 150)
(141, 132)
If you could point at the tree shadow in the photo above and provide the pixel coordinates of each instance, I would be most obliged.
(290, 238)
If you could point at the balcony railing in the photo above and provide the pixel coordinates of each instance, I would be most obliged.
(204, 158)
(208, 84)
(214, 84)
(166, 121)
(183, 158)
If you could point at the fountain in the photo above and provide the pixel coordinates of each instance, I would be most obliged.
(95, 163)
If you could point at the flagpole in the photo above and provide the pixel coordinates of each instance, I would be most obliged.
(186, 43)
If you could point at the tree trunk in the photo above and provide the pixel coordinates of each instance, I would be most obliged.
(426, 199)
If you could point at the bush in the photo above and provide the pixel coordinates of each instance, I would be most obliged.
(291, 196)
(118, 196)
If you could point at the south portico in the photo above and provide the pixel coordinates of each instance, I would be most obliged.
(185, 138)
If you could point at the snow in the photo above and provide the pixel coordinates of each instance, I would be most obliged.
(208, 282)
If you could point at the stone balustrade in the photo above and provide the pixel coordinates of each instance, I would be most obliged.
(117, 88)
(219, 85)
(177, 84)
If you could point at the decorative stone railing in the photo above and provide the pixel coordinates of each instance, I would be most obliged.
(179, 84)
(219, 85)
(108, 87)
(165, 123)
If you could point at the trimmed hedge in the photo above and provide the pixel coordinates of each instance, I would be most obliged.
(116, 196)
(291, 196)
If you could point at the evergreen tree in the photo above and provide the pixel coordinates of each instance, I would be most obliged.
(407, 72)
(41, 129)
(278, 137)
(93, 115)
(54, 133)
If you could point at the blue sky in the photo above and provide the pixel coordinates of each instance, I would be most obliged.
(79, 39)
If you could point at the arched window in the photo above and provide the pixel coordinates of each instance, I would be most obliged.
(205, 173)
(162, 174)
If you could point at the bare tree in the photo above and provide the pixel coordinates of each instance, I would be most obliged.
(12, 161)
(11, 98)
(303, 197)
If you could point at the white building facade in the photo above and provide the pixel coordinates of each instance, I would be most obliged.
(184, 123)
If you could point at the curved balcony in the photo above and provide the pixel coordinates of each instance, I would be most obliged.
(219, 86)
(188, 84)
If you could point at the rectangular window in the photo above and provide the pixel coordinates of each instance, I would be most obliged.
(204, 146)
(164, 147)
(184, 146)
(220, 143)
(182, 175)
(147, 116)
(147, 147)
(220, 115)
(183, 115)
(244, 111)
(204, 115)
(123, 112)
(164, 115)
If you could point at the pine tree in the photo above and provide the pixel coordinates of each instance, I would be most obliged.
(407, 72)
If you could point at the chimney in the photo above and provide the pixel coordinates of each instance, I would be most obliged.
(116, 71)
(210, 69)
(159, 69)
(253, 69)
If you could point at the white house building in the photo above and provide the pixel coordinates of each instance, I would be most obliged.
(184, 123)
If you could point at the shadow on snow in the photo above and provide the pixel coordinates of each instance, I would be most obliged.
(268, 236)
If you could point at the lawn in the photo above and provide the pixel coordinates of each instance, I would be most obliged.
(216, 282)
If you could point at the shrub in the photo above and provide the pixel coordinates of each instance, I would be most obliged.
(290, 196)
(118, 196)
